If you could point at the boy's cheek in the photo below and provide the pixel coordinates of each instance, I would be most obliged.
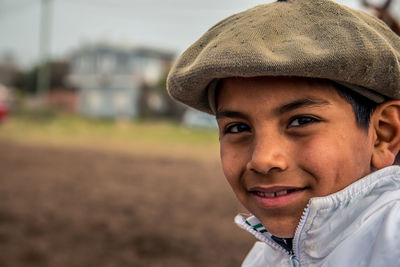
(227, 166)
(320, 150)
(334, 165)
(232, 163)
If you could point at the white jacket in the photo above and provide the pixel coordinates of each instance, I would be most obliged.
(355, 227)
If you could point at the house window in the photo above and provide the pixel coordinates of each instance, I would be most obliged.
(121, 102)
(107, 63)
(94, 100)
(83, 65)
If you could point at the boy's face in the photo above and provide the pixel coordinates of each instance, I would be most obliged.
(286, 140)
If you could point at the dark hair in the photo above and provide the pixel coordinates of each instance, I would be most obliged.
(362, 106)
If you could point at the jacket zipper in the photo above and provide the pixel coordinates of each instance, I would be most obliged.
(295, 259)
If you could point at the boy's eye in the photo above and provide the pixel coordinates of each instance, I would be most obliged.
(237, 128)
(302, 121)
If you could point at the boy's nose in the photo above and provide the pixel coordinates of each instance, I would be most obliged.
(267, 156)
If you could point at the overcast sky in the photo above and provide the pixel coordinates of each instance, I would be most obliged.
(168, 24)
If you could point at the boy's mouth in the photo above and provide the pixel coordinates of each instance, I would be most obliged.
(271, 193)
(277, 196)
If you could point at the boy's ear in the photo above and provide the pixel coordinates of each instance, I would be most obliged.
(385, 122)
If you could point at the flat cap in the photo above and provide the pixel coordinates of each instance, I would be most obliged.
(303, 38)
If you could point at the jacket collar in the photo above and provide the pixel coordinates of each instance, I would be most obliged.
(328, 220)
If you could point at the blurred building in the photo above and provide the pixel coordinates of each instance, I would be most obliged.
(111, 79)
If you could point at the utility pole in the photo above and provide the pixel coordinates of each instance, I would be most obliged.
(43, 79)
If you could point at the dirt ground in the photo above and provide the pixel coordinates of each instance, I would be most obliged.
(80, 207)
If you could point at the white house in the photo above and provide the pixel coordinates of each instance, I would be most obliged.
(110, 78)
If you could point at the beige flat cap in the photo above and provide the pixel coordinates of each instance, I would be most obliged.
(304, 38)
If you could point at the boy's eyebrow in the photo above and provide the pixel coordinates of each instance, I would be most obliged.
(229, 114)
(301, 103)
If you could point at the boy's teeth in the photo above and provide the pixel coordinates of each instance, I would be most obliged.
(280, 193)
(273, 194)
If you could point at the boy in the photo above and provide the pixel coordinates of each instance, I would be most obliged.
(306, 98)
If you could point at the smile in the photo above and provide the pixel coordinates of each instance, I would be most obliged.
(277, 197)
(275, 194)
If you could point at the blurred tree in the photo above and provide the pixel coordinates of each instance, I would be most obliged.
(26, 81)
(155, 101)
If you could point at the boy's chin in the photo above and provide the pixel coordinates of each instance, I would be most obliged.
(283, 234)
(283, 228)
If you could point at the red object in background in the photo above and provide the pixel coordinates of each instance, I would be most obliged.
(3, 111)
